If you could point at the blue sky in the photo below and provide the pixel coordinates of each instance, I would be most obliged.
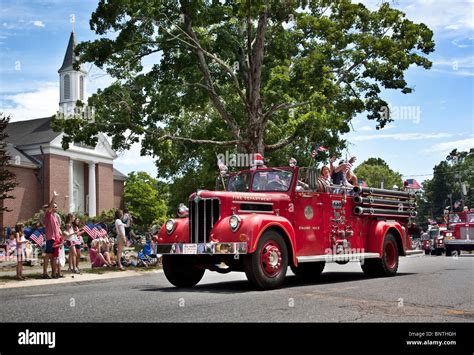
(436, 118)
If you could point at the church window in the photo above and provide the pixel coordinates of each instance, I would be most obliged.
(67, 87)
(81, 87)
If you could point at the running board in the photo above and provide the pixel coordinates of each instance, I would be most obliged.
(410, 253)
(337, 257)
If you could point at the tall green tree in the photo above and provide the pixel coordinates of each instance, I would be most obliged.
(7, 178)
(375, 171)
(248, 76)
(145, 199)
(445, 188)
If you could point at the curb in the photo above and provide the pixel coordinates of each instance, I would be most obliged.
(76, 278)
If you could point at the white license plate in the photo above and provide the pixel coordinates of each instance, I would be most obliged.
(189, 248)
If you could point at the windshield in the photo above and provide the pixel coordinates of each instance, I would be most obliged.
(454, 218)
(433, 233)
(239, 183)
(461, 217)
(272, 180)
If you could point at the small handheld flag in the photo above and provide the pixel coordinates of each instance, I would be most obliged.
(91, 230)
(37, 237)
(317, 148)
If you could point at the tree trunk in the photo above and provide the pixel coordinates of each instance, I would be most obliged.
(255, 137)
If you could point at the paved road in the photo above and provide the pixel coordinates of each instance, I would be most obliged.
(426, 289)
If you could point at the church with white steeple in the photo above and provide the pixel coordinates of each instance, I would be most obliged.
(84, 176)
(72, 83)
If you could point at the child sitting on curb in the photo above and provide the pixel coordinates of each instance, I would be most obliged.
(97, 258)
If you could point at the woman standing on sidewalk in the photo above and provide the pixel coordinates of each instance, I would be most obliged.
(121, 238)
(20, 250)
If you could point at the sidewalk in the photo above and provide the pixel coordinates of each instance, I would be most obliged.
(33, 274)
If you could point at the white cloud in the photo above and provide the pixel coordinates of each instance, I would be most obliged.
(462, 43)
(446, 147)
(465, 62)
(446, 18)
(454, 72)
(131, 160)
(42, 102)
(38, 23)
(401, 136)
(365, 128)
(463, 66)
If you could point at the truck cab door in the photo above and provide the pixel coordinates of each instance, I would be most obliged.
(308, 223)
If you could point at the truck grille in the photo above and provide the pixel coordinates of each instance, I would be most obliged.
(203, 214)
(465, 231)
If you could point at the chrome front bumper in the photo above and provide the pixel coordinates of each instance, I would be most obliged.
(459, 242)
(202, 248)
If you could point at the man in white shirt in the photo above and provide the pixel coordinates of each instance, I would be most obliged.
(121, 237)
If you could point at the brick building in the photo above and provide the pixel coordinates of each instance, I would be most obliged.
(83, 176)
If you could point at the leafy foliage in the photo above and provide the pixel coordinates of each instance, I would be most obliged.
(7, 178)
(376, 170)
(255, 76)
(444, 189)
(143, 199)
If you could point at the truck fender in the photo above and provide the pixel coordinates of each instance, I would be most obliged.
(377, 233)
(251, 229)
(179, 235)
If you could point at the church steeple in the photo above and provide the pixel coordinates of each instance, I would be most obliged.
(72, 83)
(69, 57)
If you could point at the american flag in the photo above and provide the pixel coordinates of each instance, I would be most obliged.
(101, 232)
(37, 237)
(413, 184)
(318, 148)
(362, 183)
(91, 230)
(222, 167)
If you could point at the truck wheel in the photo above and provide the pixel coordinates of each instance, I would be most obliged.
(388, 264)
(439, 252)
(266, 267)
(448, 251)
(181, 270)
(427, 252)
(308, 271)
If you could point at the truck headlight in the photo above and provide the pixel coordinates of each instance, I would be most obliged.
(449, 234)
(234, 222)
(169, 226)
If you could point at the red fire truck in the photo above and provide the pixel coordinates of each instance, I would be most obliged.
(433, 240)
(460, 234)
(269, 219)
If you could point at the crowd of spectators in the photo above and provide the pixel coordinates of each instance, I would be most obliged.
(55, 239)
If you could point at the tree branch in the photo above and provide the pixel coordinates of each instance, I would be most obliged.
(194, 141)
(188, 32)
(218, 104)
(282, 143)
(283, 106)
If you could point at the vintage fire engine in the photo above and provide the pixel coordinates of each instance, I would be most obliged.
(269, 219)
(460, 233)
(433, 242)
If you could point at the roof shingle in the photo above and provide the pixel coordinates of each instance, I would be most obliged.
(36, 131)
